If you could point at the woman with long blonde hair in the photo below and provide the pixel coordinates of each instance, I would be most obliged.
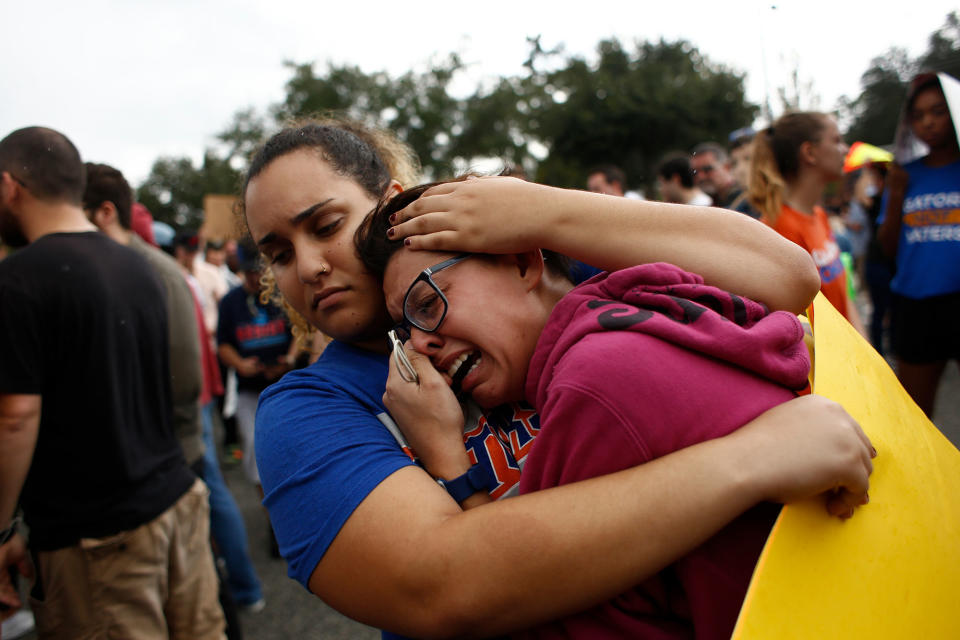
(793, 162)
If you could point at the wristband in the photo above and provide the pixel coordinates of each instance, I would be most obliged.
(9, 532)
(476, 479)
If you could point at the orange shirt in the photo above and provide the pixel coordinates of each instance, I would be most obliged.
(813, 234)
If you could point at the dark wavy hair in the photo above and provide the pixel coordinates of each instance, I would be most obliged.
(346, 153)
(367, 155)
(106, 184)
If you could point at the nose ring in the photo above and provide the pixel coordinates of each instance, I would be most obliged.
(322, 270)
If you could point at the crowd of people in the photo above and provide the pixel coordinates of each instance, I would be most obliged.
(793, 177)
(586, 384)
(125, 436)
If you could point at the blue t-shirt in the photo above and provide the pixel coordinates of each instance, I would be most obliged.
(321, 449)
(580, 272)
(253, 329)
(324, 441)
(928, 252)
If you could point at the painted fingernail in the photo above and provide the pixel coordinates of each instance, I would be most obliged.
(866, 499)
(406, 242)
(393, 218)
(873, 452)
(391, 232)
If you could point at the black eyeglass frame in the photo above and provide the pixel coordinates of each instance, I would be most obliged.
(425, 275)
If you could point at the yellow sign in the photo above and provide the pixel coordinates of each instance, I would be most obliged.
(891, 571)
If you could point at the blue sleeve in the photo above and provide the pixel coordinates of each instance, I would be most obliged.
(321, 449)
(580, 272)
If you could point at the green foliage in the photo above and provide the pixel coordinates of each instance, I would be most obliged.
(943, 48)
(633, 107)
(242, 136)
(416, 106)
(627, 106)
(875, 112)
(877, 109)
(174, 190)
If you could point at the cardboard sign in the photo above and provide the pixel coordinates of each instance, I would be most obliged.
(891, 571)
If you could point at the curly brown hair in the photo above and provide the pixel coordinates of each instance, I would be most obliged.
(370, 156)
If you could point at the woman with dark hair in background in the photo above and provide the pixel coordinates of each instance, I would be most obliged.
(921, 227)
(376, 537)
(793, 162)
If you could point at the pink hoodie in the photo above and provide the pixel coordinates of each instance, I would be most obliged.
(631, 366)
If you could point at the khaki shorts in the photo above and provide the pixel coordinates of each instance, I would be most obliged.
(156, 581)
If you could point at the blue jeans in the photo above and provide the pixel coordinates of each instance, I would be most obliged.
(226, 524)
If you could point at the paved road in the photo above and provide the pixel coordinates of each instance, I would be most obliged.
(946, 413)
(291, 611)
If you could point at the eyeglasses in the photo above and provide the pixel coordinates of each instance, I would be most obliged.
(424, 305)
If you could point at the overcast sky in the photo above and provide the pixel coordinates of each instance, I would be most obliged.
(129, 81)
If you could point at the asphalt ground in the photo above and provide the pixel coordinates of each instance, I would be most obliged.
(291, 611)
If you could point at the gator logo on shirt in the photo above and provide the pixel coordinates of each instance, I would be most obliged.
(932, 217)
(932, 202)
(500, 441)
(828, 261)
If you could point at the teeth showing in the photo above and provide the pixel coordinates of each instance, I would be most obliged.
(452, 371)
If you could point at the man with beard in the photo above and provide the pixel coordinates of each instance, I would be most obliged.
(712, 173)
(119, 526)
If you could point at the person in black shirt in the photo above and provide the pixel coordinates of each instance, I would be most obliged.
(119, 526)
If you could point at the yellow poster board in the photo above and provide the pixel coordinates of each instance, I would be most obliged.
(891, 571)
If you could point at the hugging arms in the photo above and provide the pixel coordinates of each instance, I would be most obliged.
(602, 379)
(381, 541)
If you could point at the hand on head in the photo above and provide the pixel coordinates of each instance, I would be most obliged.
(481, 215)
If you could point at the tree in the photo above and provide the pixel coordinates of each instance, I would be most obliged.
(174, 190)
(241, 137)
(630, 108)
(943, 48)
(875, 112)
(563, 113)
(416, 106)
(798, 94)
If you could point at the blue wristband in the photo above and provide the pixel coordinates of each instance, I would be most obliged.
(476, 479)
